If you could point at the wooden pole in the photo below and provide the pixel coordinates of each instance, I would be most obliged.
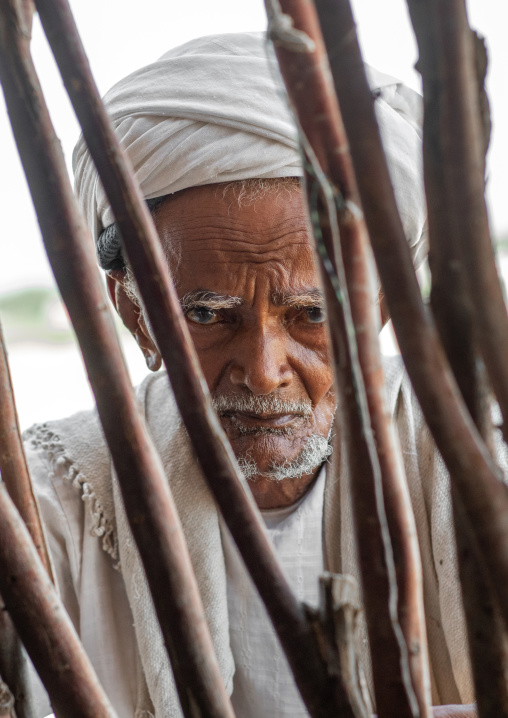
(14, 473)
(462, 143)
(43, 624)
(13, 467)
(147, 498)
(14, 670)
(471, 468)
(212, 448)
(400, 676)
(452, 301)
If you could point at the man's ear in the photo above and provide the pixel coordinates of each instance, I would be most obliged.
(133, 317)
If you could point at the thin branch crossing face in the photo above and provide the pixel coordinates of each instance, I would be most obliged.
(365, 415)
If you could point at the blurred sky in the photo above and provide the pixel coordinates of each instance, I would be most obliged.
(122, 35)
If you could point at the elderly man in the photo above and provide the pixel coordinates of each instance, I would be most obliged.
(215, 151)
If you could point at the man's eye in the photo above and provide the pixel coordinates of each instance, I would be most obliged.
(202, 315)
(315, 315)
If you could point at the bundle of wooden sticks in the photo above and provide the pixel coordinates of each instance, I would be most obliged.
(453, 351)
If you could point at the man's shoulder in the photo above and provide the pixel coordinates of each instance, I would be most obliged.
(75, 438)
(68, 461)
(80, 437)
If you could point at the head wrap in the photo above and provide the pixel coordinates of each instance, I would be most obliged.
(214, 110)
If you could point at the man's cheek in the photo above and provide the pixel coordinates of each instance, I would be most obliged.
(212, 363)
(324, 412)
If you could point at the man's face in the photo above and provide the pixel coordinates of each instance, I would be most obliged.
(250, 291)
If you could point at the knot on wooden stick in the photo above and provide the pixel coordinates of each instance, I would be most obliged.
(336, 625)
(351, 212)
(282, 32)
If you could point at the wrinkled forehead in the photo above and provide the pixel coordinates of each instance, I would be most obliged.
(218, 238)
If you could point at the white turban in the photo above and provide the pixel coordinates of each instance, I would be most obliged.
(214, 110)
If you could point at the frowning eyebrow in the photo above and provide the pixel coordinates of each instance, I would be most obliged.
(213, 300)
(210, 300)
(299, 300)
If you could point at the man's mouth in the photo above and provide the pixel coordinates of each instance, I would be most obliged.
(277, 424)
(251, 415)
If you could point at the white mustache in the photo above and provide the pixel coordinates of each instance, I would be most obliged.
(251, 404)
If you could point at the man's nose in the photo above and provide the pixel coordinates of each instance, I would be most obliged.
(261, 362)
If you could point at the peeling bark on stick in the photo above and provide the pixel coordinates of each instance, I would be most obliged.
(472, 470)
(148, 502)
(211, 446)
(374, 468)
(335, 623)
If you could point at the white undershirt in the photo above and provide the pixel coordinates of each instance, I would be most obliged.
(263, 683)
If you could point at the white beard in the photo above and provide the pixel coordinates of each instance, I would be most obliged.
(315, 451)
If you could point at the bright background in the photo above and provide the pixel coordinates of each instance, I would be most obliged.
(119, 37)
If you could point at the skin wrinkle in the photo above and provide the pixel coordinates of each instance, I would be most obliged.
(273, 245)
(241, 224)
(271, 343)
(248, 254)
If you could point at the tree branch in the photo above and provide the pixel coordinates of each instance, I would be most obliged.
(471, 468)
(14, 667)
(13, 468)
(375, 462)
(160, 299)
(147, 498)
(452, 82)
(452, 305)
(14, 473)
(43, 624)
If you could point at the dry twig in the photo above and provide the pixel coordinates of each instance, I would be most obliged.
(375, 467)
(13, 468)
(448, 62)
(452, 301)
(159, 296)
(471, 468)
(43, 624)
(14, 473)
(14, 670)
(149, 505)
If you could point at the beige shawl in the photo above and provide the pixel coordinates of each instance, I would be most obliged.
(82, 446)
